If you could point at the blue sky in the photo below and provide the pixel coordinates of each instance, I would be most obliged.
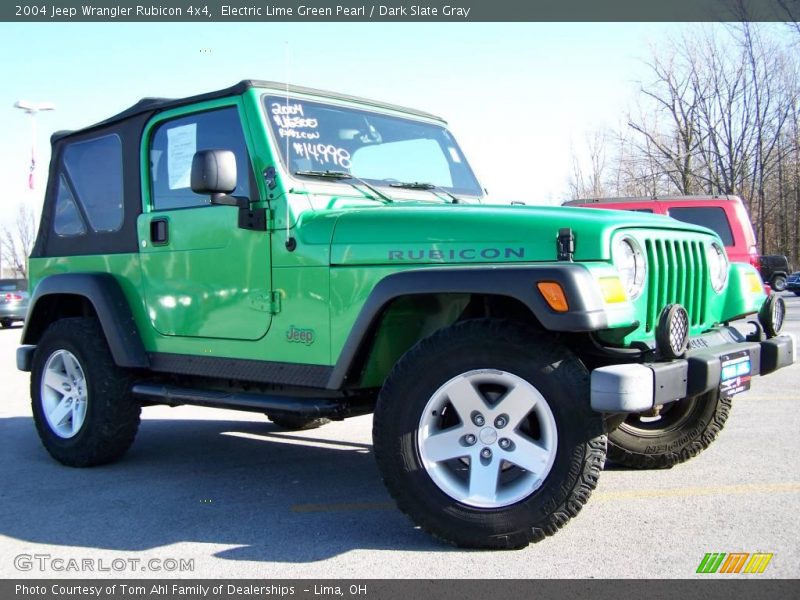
(517, 96)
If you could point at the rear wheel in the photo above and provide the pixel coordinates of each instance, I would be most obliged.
(484, 435)
(778, 283)
(680, 431)
(5, 323)
(81, 401)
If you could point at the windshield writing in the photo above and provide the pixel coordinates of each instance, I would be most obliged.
(377, 148)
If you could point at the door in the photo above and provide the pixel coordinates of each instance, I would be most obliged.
(203, 275)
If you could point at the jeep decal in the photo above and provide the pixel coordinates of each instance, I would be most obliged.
(300, 336)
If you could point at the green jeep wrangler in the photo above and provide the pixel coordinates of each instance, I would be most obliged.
(314, 256)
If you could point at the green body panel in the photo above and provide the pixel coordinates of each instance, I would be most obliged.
(739, 298)
(211, 280)
(218, 290)
(409, 319)
(399, 233)
(125, 269)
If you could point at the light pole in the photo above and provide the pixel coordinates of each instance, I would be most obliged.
(32, 109)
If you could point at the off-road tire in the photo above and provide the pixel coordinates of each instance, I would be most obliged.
(112, 415)
(298, 423)
(514, 348)
(692, 430)
(778, 283)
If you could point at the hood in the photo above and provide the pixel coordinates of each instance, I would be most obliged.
(437, 234)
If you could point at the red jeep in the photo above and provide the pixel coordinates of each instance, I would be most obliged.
(725, 215)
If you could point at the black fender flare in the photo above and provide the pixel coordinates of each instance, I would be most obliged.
(104, 293)
(586, 308)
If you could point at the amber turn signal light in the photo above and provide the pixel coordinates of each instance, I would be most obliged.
(553, 294)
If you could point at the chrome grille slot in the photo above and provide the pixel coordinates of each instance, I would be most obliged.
(676, 274)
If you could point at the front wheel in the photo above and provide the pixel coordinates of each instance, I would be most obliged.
(484, 435)
(680, 431)
(5, 323)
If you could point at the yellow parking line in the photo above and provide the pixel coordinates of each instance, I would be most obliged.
(721, 490)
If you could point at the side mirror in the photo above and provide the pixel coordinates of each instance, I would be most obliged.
(214, 173)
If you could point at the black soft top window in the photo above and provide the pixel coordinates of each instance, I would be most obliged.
(93, 195)
(95, 169)
(67, 220)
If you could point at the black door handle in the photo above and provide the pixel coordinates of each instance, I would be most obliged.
(159, 231)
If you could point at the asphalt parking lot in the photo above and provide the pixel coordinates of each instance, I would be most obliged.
(241, 499)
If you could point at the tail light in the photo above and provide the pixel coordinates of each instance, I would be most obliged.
(13, 297)
(754, 259)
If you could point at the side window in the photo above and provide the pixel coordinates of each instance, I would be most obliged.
(173, 146)
(95, 170)
(712, 217)
(67, 220)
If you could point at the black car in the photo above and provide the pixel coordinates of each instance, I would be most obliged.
(775, 270)
(13, 301)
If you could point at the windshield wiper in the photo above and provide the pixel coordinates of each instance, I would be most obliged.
(428, 187)
(344, 175)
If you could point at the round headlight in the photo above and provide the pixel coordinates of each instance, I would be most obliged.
(631, 266)
(717, 266)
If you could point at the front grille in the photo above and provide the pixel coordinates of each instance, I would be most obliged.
(676, 273)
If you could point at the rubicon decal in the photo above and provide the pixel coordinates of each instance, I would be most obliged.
(462, 254)
(735, 562)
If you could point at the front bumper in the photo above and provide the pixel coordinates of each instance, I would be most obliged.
(25, 358)
(639, 387)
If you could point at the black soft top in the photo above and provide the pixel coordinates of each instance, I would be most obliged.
(152, 105)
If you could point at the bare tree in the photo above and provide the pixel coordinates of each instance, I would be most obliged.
(16, 243)
(720, 83)
(636, 171)
(675, 102)
(718, 114)
(587, 180)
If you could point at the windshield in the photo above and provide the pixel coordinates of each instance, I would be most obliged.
(377, 148)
